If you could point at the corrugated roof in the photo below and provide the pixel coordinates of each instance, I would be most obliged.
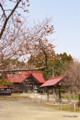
(53, 81)
(15, 78)
(18, 78)
(5, 86)
(38, 76)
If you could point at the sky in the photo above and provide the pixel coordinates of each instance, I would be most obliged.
(66, 20)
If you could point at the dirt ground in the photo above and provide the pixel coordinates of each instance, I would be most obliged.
(26, 109)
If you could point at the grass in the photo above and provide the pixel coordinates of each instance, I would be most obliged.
(70, 108)
(72, 97)
(12, 97)
(65, 107)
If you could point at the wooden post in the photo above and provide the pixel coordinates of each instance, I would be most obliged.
(56, 95)
(61, 106)
(33, 87)
(59, 94)
(79, 100)
(58, 105)
(44, 90)
(47, 94)
(74, 107)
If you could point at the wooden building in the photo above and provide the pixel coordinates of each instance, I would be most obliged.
(59, 82)
(4, 90)
(27, 81)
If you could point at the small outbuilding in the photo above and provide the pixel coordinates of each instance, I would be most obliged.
(58, 82)
(5, 90)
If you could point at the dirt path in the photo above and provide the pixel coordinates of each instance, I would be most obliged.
(28, 110)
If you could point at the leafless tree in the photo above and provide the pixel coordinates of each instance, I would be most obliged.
(72, 69)
(17, 37)
(7, 14)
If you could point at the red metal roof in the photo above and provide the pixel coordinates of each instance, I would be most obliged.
(15, 78)
(53, 81)
(38, 76)
(18, 78)
(5, 86)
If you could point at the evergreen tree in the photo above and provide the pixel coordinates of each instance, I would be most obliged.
(55, 65)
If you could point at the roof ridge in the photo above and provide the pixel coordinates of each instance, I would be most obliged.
(56, 77)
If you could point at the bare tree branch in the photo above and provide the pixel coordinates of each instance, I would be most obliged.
(6, 20)
(3, 10)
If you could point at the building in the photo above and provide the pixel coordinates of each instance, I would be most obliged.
(26, 81)
(4, 90)
(58, 83)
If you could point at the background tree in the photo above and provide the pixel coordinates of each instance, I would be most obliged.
(73, 71)
(55, 64)
(64, 57)
(59, 65)
(12, 63)
(38, 62)
(5, 83)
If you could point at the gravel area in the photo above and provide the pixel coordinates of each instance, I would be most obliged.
(26, 109)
